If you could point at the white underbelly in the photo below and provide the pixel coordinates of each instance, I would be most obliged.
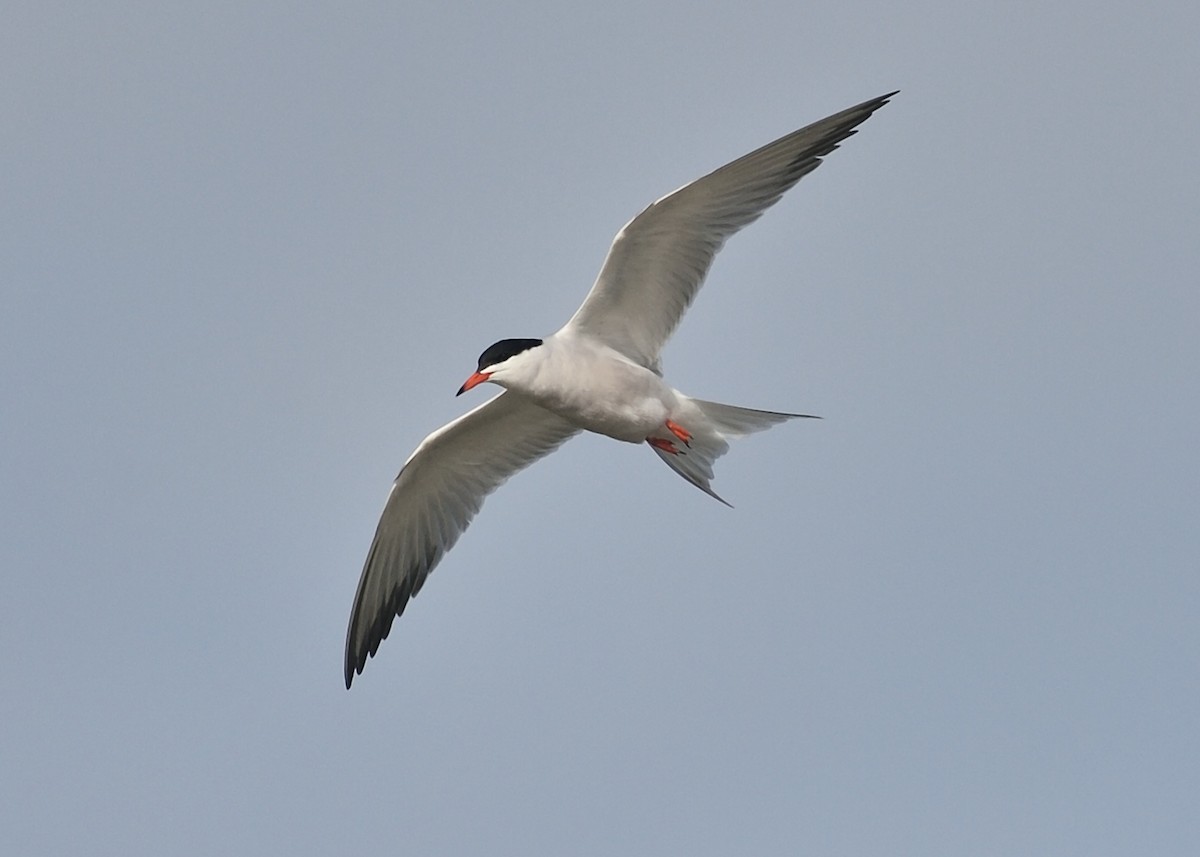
(631, 420)
(613, 398)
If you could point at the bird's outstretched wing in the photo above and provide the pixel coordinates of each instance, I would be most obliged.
(439, 490)
(658, 261)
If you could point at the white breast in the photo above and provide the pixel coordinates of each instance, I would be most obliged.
(597, 389)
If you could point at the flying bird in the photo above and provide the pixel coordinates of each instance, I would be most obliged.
(600, 372)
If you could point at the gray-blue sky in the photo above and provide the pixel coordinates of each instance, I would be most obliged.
(250, 253)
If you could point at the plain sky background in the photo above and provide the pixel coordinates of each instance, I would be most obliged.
(249, 252)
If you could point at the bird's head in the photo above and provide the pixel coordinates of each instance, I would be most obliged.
(508, 357)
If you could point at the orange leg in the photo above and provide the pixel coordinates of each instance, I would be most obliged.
(664, 445)
(679, 432)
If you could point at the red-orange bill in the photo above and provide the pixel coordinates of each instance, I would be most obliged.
(474, 381)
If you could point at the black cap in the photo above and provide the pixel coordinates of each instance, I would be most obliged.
(505, 349)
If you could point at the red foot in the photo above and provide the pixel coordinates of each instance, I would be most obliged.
(679, 432)
(664, 445)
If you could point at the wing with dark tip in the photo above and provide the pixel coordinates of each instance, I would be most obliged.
(658, 261)
(439, 490)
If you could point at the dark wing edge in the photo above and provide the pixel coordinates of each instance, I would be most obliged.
(437, 493)
(673, 241)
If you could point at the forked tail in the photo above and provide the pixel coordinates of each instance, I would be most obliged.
(711, 426)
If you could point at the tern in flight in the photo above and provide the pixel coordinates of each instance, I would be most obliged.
(601, 372)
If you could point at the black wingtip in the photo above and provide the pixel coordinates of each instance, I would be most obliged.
(351, 668)
(875, 103)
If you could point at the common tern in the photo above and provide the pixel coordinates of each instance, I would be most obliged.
(601, 373)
